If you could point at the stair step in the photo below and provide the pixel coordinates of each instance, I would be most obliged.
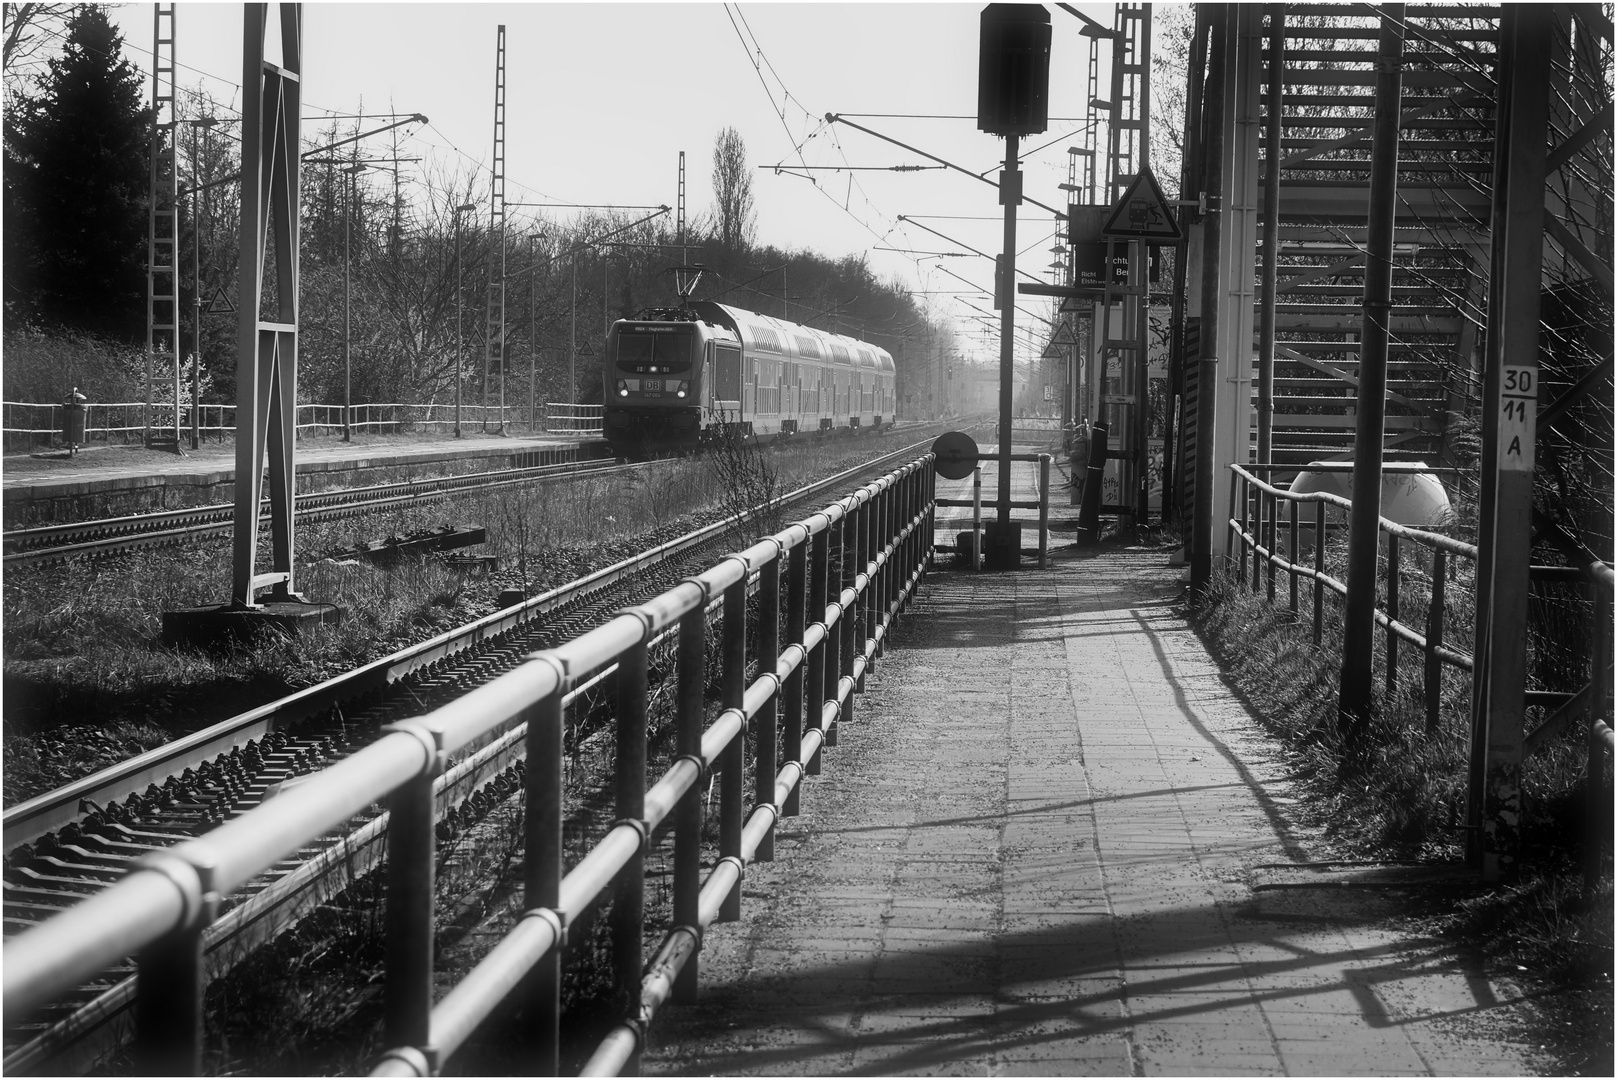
(1328, 421)
(1293, 402)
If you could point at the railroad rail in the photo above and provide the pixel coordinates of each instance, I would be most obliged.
(70, 843)
(51, 543)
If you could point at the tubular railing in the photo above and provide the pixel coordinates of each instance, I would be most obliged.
(1261, 541)
(1256, 533)
(579, 419)
(28, 424)
(841, 600)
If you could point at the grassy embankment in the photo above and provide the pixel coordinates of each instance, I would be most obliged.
(1407, 799)
(88, 680)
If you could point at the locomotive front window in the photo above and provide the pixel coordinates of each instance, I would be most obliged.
(646, 352)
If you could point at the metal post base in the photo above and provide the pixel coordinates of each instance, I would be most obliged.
(221, 626)
(1002, 549)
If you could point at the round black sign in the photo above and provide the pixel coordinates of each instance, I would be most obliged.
(956, 455)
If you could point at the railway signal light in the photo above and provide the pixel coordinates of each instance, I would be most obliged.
(1013, 70)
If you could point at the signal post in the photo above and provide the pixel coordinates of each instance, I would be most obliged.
(1013, 91)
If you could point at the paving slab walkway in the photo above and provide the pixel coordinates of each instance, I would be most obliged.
(1034, 851)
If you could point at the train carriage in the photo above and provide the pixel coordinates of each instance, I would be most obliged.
(673, 376)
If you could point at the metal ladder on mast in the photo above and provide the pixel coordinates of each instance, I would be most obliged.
(162, 242)
(494, 355)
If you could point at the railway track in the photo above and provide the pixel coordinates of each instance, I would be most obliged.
(53, 543)
(73, 841)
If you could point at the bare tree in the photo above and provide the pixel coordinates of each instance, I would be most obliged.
(737, 221)
(28, 28)
(1171, 29)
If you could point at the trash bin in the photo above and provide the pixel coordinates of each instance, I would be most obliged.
(73, 420)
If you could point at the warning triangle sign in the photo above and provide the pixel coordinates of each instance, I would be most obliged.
(1142, 213)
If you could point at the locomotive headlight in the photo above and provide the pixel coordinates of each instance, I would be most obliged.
(623, 388)
(680, 388)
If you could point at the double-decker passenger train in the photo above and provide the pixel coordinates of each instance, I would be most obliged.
(674, 376)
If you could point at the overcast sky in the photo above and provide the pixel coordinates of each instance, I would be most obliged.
(602, 97)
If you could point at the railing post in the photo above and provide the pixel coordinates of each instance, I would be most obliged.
(814, 689)
(1044, 508)
(923, 501)
(411, 866)
(929, 492)
(1319, 568)
(1230, 527)
(861, 611)
(1597, 803)
(688, 815)
(1434, 641)
(977, 518)
(1274, 534)
(834, 631)
(764, 732)
(168, 1005)
(733, 758)
(1392, 612)
(915, 545)
(796, 605)
(849, 641)
(1291, 550)
(886, 537)
(883, 536)
(542, 871)
(1249, 490)
(627, 919)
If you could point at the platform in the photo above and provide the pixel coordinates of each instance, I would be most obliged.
(1045, 845)
(107, 481)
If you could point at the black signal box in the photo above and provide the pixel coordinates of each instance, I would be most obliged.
(1013, 70)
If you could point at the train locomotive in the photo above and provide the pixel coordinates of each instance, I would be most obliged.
(676, 376)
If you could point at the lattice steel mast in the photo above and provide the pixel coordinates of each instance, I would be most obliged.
(494, 354)
(162, 235)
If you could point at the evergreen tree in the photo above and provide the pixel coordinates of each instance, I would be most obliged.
(76, 189)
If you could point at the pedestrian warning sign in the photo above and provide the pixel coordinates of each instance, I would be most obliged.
(1142, 213)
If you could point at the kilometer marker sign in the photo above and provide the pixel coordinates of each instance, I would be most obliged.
(1518, 418)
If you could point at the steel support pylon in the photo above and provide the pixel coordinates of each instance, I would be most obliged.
(267, 347)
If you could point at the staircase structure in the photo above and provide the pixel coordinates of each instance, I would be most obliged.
(1444, 178)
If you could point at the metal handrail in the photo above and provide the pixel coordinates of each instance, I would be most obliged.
(569, 418)
(1264, 554)
(160, 909)
(1594, 698)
